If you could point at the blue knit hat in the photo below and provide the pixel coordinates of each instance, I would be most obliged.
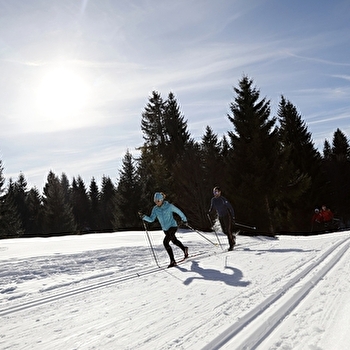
(158, 196)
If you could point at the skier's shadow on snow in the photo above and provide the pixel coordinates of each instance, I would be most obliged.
(234, 278)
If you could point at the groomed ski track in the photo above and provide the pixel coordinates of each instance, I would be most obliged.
(105, 282)
(97, 285)
(254, 327)
(251, 329)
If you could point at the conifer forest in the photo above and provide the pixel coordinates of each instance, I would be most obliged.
(267, 166)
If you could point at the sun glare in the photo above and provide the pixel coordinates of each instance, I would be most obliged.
(61, 95)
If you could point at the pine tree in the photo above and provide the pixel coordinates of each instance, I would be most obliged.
(340, 147)
(128, 195)
(254, 158)
(80, 204)
(178, 142)
(34, 206)
(20, 197)
(191, 196)
(152, 122)
(10, 221)
(2, 202)
(65, 187)
(327, 150)
(166, 140)
(152, 161)
(337, 167)
(214, 171)
(94, 197)
(57, 213)
(301, 169)
(107, 204)
(177, 136)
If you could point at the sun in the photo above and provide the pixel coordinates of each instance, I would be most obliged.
(61, 95)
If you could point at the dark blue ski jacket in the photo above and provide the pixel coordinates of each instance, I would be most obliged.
(222, 206)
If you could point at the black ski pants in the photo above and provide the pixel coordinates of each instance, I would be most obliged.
(228, 228)
(171, 237)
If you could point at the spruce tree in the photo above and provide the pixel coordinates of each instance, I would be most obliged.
(94, 197)
(213, 172)
(327, 150)
(178, 142)
(2, 202)
(177, 136)
(301, 182)
(34, 206)
(340, 147)
(58, 216)
(254, 160)
(191, 196)
(20, 197)
(337, 166)
(212, 160)
(152, 122)
(80, 204)
(166, 140)
(10, 220)
(66, 188)
(153, 163)
(107, 204)
(128, 195)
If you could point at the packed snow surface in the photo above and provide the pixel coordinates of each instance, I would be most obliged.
(105, 291)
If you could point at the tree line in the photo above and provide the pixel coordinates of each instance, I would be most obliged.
(267, 166)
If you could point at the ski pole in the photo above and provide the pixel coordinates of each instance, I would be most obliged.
(150, 243)
(216, 234)
(186, 224)
(245, 226)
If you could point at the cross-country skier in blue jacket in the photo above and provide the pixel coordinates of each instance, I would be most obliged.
(163, 211)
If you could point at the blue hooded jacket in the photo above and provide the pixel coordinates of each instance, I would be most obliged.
(164, 214)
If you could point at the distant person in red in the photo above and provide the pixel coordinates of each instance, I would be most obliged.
(326, 214)
(316, 220)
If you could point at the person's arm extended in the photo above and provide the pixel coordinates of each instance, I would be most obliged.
(150, 218)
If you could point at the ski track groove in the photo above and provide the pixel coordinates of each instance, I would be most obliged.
(264, 327)
(105, 283)
(97, 285)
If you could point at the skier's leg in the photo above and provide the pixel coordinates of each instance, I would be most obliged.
(231, 240)
(176, 241)
(167, 247)
(225, 223)
(231, 236)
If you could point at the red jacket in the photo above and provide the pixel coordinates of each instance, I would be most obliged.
(327, 215)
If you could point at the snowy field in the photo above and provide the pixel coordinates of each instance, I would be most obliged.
(105, 291)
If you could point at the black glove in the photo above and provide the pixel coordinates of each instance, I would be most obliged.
(141, 215)
(183, 223)
(234, 221)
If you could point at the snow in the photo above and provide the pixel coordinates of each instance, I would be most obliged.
(105, 291)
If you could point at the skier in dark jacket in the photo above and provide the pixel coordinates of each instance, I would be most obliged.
(226, 215)
(163, 211)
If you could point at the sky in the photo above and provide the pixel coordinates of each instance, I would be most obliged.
(77, 75)
(105, 291)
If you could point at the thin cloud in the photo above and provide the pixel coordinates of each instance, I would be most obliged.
(318, 60)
